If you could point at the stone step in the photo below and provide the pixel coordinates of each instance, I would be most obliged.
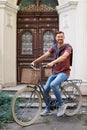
(18, 87)
(13, 89)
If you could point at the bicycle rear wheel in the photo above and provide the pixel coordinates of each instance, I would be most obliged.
(73, 98)
(26, 106)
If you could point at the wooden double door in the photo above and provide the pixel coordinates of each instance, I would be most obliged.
(35, 35)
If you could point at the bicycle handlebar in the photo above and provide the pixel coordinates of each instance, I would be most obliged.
(43, 65)
(32, 66)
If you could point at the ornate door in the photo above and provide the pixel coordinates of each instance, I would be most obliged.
(36, 27)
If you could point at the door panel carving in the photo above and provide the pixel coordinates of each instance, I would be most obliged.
(35, 34)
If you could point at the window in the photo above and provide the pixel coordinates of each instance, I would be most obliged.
(48, 40)
(27, 43)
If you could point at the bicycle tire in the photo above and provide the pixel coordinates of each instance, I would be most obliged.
(26, 106)
(73, 98)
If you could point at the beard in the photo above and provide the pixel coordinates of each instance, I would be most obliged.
(60, 41)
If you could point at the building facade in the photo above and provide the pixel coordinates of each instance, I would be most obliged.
(72, 20)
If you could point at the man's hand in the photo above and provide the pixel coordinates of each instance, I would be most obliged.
(49, 65)
(32, 63)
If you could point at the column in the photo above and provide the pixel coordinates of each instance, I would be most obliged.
(81, 41)
(81, 45)
(67, 23)
(7, 43)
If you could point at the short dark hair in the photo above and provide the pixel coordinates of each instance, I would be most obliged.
(59, 32)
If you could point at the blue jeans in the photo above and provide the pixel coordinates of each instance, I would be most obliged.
(53, 83)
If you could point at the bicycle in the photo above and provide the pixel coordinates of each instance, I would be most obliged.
(27, 102)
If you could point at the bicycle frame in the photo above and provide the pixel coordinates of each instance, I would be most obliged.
(47, 97)
(42, 92)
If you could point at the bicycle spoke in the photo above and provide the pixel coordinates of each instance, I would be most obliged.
(26, 106)
(72, 97)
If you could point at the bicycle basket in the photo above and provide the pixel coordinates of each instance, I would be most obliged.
(30, 76)
(48, 72)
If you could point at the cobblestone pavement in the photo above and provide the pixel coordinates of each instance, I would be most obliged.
(53, 122)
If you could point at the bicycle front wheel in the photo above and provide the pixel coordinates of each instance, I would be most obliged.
(72, 98)
(26, 106)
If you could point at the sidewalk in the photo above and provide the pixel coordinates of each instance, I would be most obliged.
(52, 123)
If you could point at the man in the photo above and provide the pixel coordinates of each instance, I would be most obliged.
(60, 71)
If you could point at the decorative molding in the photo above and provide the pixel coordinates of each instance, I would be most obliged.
(67, 6)
(8, 6)
(27, 25)
(40, 8)
(65, 20)
(9, 20)
(62, 1)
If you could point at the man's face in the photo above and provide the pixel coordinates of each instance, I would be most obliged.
(60, 38)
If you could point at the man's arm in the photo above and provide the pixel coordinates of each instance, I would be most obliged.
(60, 59)
(41, 58)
